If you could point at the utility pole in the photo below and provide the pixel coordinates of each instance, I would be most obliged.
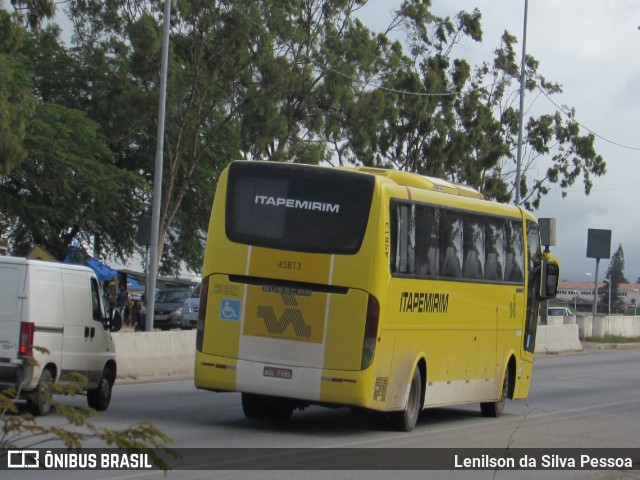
(157, 176)
(523, 78)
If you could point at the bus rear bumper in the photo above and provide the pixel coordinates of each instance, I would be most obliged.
(313, 385)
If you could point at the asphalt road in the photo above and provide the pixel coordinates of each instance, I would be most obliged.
(590, 400)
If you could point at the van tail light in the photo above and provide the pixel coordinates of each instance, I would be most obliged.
(202, 313)
(370, 332)
(25, 348)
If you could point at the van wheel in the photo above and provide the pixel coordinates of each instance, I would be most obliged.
(39, 402)
(406, 420)
(100, 397)
(495, 409)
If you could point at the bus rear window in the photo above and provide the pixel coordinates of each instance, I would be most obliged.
(297, 207)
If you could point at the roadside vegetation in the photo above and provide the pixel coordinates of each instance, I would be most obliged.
(21, 429)
(613, 339)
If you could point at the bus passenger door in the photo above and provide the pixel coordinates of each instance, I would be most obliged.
(534, 258)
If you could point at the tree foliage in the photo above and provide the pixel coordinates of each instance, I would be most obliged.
(67, 188)
(614, 277)
(438, 116)
(16, 98)
(295, 81)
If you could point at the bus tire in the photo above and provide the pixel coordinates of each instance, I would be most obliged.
(253, 406)
(495, 409)
(406, 420)
(280, 412)
(259, 407)
(39, 402)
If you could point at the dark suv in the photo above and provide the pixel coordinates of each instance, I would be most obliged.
(167, 311)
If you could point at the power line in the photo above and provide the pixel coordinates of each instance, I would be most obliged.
(569, 116)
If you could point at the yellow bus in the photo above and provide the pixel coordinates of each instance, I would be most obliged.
(367, 288)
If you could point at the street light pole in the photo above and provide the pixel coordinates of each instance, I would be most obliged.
(157, 176)
(521, 112)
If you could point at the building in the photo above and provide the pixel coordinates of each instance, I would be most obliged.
(579, 295)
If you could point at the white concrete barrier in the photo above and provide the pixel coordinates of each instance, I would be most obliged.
(161, 354)
(558, 338)
(149, 354)
(559, 320)
(601, 326)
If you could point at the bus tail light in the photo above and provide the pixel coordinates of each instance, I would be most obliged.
(202, 312)
(370, 332)
(25, 348)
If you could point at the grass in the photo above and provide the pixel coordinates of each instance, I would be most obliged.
(613, 339)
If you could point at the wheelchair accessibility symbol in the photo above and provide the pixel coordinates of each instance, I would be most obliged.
(230, 310)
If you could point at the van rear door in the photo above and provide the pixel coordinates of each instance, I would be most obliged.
(12, 285)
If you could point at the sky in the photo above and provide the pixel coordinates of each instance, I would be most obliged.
(591, 48)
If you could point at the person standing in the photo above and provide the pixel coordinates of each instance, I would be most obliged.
(121, 303)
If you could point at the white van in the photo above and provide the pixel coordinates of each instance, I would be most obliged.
(58, 307)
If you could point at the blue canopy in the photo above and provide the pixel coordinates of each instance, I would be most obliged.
(133, 284)
(103, 272)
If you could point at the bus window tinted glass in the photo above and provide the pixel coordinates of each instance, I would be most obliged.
(515, 252)
(304, 209)
(451, 230)
(473, 246)
(495, 249)
(427, 221)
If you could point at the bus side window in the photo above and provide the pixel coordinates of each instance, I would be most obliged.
(411, 239)
(473, 246)
(515, 252)
(426, 253)
(495, 248)
(400, 238)
(534, 252)
(451, 244)
(402, 255)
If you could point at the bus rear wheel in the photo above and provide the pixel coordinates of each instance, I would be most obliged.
(495, 409)
(259, 407)
(406, 420)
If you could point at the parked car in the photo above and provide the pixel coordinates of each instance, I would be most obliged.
(190, 310)
(167, 311)
(559, 312)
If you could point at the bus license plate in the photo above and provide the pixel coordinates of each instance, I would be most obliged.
(278, 372)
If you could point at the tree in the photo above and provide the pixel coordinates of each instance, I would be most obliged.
(67, 189)
(615, 276)
(437, 116)
(16, 97)
(34, 12)
(301, 81)
(247, 79)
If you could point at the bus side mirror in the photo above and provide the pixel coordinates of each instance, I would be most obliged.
(550, 274)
